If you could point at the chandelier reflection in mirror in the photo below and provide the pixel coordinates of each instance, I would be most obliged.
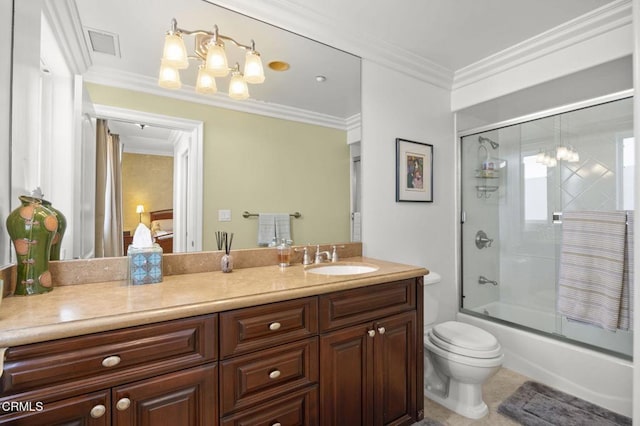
(209, 51)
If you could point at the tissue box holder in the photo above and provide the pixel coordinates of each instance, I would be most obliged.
(145, 265)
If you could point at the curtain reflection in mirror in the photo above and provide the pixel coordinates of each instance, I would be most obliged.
(108, 193)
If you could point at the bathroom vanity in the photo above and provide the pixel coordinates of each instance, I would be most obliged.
(261, 345)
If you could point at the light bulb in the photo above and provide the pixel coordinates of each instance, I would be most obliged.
(217, 60)
(562, 153)
(174, 53)
(169, 77)
(238, 88)
(253, 70)
(206, 83)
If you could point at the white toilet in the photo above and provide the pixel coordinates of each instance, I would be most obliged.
(459, 357)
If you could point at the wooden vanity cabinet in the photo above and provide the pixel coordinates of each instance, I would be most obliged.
(269, 364)
(369, 356)
(350, 357)
(132, 376)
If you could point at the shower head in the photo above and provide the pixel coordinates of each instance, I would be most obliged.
(494, 145)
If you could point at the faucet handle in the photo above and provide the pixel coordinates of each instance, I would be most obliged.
(305, 255)
(334, 254)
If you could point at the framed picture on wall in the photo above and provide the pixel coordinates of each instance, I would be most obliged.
(414, 171)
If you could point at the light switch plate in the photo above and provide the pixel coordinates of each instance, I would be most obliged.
(224, 215)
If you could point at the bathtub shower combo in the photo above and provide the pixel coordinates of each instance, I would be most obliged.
(547, 208)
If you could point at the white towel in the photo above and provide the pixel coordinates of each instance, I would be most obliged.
(626, 305)
(591, 267)
(266, 228)
(283, 226)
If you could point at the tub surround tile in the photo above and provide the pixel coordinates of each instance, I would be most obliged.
(72, 310)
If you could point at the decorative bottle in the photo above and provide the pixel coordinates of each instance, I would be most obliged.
(56, 244)
(32, 228)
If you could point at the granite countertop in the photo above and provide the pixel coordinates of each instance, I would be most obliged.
(88, 308)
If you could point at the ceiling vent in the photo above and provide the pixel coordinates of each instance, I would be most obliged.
(103, 42)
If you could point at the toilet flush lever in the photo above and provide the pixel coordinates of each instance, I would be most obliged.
(482, 240)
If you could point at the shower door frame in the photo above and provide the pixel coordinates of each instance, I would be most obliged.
(462, 214)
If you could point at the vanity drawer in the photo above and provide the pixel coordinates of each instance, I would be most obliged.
(359, 305)
(258, 377)
(107, 358)
(297, 408)
(250, 329)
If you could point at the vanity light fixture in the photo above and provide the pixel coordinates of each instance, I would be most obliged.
(209, 49)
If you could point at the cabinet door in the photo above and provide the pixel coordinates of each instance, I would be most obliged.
(186, 397)
(395, 369)
(346, 376)
(86, 410)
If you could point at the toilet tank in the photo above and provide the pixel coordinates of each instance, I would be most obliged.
(430, 303)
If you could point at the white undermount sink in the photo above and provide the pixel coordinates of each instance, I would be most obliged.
(342, 269)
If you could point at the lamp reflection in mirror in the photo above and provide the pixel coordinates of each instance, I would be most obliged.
(209, 49)
(140, 210)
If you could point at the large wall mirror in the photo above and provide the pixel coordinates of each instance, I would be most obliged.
(291, 147)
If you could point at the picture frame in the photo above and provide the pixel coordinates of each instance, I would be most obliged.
(414, 171)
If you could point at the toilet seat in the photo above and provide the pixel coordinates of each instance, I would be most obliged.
(464, 339)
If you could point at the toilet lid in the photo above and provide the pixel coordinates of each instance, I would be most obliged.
(465, 339)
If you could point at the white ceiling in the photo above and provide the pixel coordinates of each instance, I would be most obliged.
(446, 34)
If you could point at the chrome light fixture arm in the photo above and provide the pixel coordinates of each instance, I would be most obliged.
(209, 36)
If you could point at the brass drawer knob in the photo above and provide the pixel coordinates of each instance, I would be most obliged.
(274, 374)
(274, 326)
(98, 411)
(111, 361)
(123, 404)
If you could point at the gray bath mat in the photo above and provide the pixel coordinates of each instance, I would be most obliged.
(534, 404)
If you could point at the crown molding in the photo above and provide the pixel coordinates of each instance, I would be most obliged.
(354, 122)
(310, 23)
(136, 82)
(600, 21)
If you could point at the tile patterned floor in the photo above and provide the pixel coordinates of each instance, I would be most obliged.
(495, 390)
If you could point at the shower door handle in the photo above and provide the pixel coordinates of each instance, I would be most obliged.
(557, 217)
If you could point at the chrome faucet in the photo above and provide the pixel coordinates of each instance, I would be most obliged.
(320, 253)
(306, 260)
(334, 254)
(482, 240)
(484, 280)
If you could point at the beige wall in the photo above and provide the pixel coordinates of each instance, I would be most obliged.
(260, 164)
(146, 180)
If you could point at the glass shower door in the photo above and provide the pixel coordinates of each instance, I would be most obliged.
(517, 182)
(508, 197)
(595, 168)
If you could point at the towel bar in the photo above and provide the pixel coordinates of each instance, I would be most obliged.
(247, 214)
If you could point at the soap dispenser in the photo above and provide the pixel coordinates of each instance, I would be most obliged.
(284, 253)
